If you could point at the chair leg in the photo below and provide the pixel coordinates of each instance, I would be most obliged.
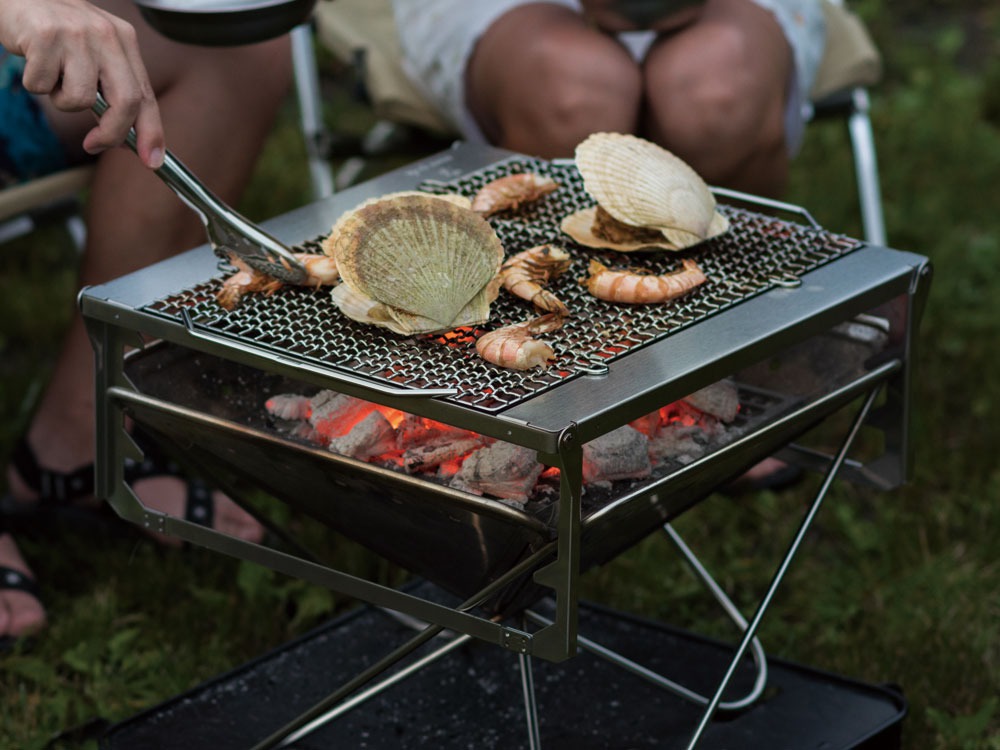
(866, 168)
(77, 229)
(310, 100)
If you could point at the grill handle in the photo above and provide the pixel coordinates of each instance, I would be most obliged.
(767, 203)
(299, 365)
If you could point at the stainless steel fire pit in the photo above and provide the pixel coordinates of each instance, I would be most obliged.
(807, 322)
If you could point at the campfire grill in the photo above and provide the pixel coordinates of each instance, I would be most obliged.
(805, 321)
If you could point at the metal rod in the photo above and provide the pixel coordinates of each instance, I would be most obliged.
(530, 703)
(310, 98)
(278, 738)
(665, 683)
(759, 657)
(371, 692)
(783, 567)
(767, 203)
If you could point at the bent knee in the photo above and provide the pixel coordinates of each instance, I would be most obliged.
(697, 102)
(586, 95)
(562, 87)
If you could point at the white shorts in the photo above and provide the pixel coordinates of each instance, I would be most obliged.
(438, 36)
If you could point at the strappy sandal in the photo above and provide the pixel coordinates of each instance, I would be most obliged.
(14, 580)
(59, 493)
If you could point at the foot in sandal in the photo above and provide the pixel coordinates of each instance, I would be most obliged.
(21, 610)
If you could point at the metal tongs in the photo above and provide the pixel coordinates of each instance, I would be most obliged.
(228, 231)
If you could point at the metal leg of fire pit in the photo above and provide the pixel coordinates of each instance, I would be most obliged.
(715, 703)
(786, 561)
(613, 657)
(339, 702)
(371, 692)
(530, 704)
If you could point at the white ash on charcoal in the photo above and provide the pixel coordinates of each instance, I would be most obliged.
(502, 470)
(648, 424)
(620, 454)
(289, 413)
(414, 431)
(289, 407)
(433, 454)
(372, 436)
(333, 414)
(721, 400)
(679, 442)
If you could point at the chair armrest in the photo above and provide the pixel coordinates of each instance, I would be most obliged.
(38, 193)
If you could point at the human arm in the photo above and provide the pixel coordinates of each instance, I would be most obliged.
(71, 49)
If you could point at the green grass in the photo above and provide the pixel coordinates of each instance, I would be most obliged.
(897, 587)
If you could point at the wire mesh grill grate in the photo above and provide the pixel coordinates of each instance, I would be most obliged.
(758, 252)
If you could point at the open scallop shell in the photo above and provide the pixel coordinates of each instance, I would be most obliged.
(644, 185)
(579, 225)
(426, 264)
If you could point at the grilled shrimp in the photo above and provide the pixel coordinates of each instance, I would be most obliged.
(524, 275)
(639, 288)
(515, 348)
(510, 192)
(321, 270)
(244, 281)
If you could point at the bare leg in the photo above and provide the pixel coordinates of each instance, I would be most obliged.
(540, 80)
(218, 106)
(716, 95)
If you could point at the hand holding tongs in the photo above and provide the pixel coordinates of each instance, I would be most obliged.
(227, 230)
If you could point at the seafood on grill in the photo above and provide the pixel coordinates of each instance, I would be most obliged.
(415, 263)
(646, 197)
(510, 192)
(515, 346)
(327, 243)
(525, 274)
(321, 270)
(637, 287)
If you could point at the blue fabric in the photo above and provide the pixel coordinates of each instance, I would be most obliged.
(28, 147)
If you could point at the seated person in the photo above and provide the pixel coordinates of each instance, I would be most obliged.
(720, 83)
(215, 108)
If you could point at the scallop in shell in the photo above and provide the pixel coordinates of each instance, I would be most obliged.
(641, 184)
(415, 263)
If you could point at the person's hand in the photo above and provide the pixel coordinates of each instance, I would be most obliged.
(615, 16)
(71, 49)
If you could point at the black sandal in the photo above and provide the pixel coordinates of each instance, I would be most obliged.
(15, 580)
(58, 492)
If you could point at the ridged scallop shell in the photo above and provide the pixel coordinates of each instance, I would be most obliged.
(327, 244)
(644, 185)
(425, 263)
